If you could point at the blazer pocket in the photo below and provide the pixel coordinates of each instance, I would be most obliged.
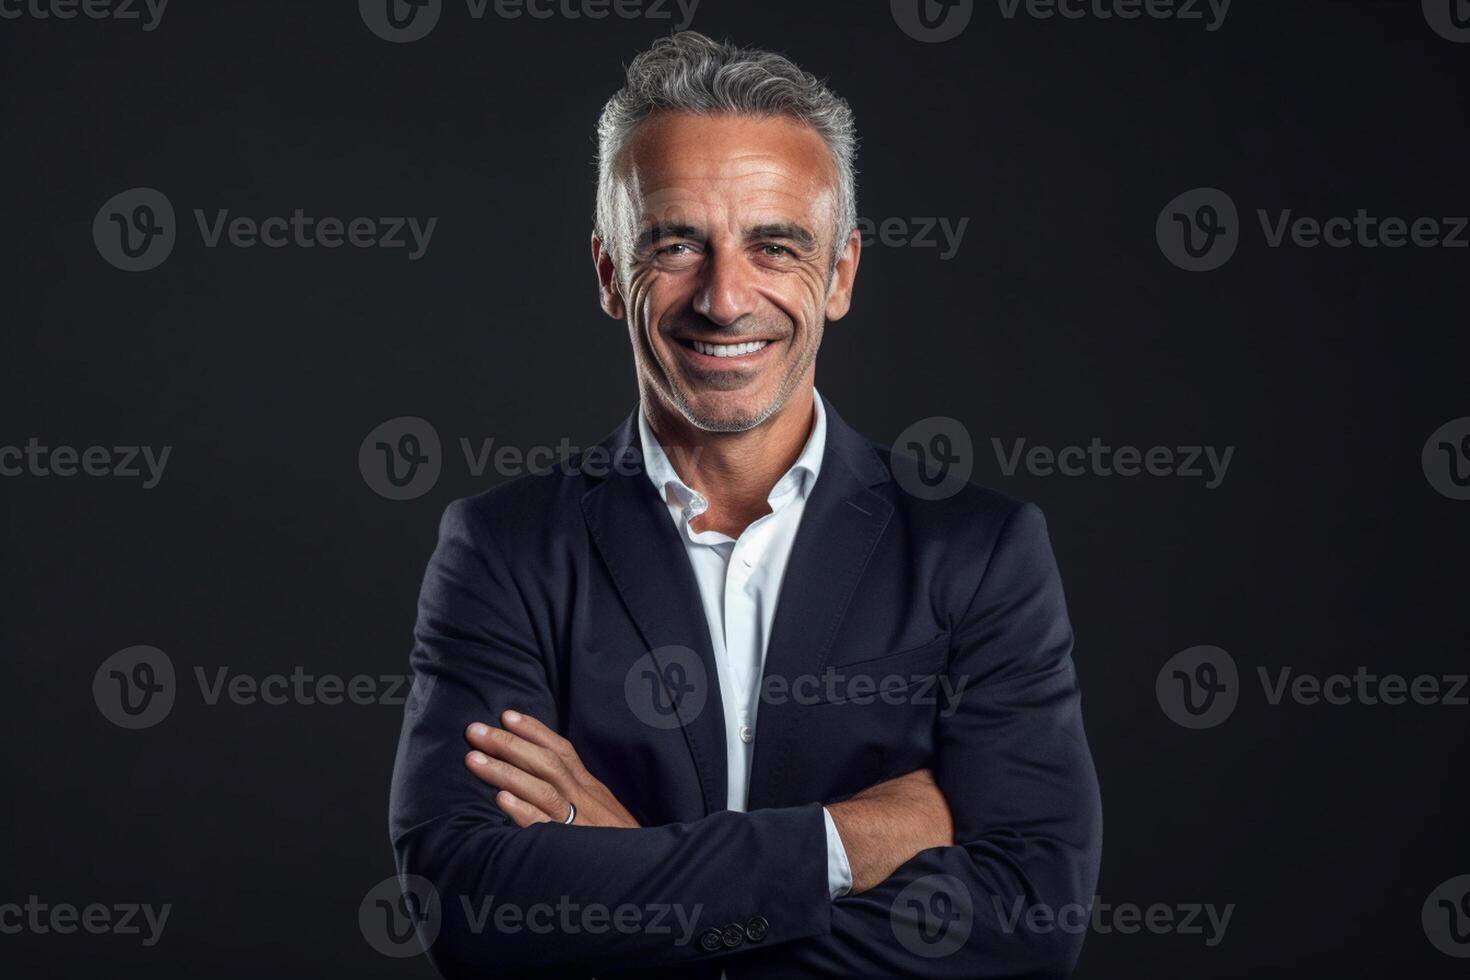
(864, 680)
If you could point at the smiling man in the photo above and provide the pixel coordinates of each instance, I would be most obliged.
(747, 708)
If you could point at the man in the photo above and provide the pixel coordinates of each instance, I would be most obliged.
(745, 707)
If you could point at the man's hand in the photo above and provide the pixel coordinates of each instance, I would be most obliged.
(539, 773)
(885, 825)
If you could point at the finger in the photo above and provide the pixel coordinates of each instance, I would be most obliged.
(520, 812)
(534, 731)
(523, 785)
(525, 756)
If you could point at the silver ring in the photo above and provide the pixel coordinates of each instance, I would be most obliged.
(571, 813)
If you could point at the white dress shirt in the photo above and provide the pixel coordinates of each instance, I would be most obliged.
(739, 582)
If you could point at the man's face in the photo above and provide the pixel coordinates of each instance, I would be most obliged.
(723, 262)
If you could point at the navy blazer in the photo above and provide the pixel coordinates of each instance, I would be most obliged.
(910, 633)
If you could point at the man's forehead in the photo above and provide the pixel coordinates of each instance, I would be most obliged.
(679, 159)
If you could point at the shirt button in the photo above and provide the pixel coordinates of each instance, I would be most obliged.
(747, 734)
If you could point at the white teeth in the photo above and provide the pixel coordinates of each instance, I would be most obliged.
(729, 350)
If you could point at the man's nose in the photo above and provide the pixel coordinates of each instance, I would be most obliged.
(727, 291)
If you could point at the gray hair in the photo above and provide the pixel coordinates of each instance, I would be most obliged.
(689, 72)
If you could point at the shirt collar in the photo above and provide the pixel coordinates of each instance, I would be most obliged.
(796, 481)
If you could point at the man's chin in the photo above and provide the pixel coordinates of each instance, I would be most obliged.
(726, 411)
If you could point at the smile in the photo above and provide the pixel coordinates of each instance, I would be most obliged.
(726, 350)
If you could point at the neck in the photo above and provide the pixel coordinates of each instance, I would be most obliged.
(734, 471)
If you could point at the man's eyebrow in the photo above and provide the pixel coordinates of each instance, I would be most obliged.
(658, 231)
(790, 231)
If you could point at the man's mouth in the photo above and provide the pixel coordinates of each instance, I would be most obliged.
(726, 350)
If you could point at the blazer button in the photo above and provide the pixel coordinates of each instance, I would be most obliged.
(732, 936)
(711, 941)
(756, 928)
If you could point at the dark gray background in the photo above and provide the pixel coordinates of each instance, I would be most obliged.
(263, 548)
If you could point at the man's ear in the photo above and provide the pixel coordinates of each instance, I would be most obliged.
(844, 274)
(607, 280)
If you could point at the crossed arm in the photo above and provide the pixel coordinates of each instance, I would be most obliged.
(1009, 811)
(539, 774)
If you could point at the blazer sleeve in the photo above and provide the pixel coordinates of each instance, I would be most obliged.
(1013, 763)
(475, 655)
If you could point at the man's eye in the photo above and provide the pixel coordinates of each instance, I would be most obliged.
(677, 249)
(775, 251)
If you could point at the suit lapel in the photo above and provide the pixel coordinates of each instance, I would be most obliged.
(640, 545)
(841, 525)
